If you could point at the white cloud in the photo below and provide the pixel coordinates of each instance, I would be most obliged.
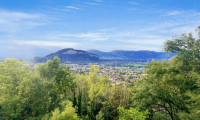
(3, 21)
(182, 22)
(14, 16)
(138, 47)
(99, 0)
(12, 21)
(47, 43)
(72, 7)
(148, 37)
(133, 3)
(114, 39)
(144, 37)
(90, 36)
(174, 13)
(130, 47)
(94, 2)
(146, 41)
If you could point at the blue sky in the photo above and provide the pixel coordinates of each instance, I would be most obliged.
(30, 28)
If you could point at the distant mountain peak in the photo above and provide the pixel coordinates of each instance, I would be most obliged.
(70, 55)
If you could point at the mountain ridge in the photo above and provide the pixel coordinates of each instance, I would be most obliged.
(73, 55)
(131, 55)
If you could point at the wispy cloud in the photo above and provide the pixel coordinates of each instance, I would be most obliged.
(98, 0)
(133, 3)
(148, 35)
(15, 16)
(72, 7)
(90, 36)
(12, 21)
(175, 22)
(174, 13)
(113, 38)
(94, 2)
(154, 40)
(59, 44)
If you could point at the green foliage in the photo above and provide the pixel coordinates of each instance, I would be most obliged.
(14, 90)
(116, 96)
(97, 85)
(82, 90)
(97, 98)
(67, 114)
(131, 114)
(171, 88)
(162, 91)
(188, 49)
(60, 82)
(193, 107)
(31, 93)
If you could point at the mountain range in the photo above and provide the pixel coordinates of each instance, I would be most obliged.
(71, 55)
(124, 55)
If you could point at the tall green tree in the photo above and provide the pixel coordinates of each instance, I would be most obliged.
(97, 84)
(14, 88)
(82, 90)
(188, 49)
(60, 81)
(115, 96)
(168, 89)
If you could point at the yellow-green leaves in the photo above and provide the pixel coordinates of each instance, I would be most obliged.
(131, 114)
(68, 113)
(15, 78)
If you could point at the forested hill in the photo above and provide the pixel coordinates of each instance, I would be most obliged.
(71, 55)
(142, 55)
